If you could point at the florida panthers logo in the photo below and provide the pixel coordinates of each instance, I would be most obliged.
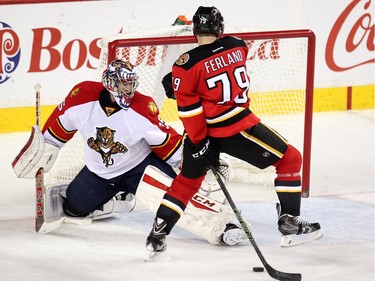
(105, 145)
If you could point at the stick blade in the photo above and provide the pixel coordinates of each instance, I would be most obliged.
(283, 276)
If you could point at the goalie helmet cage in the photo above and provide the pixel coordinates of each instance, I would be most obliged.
(281, 69)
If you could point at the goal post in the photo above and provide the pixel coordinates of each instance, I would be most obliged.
(281, 68)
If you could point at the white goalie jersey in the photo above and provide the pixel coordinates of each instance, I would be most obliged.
(115, 140)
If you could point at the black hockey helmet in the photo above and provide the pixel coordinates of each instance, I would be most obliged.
(208, 20)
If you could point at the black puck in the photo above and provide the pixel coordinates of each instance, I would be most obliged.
(258, 269)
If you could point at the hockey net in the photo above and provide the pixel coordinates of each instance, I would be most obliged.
(281, 70)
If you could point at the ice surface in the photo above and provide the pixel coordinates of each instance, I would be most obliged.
(341, 199)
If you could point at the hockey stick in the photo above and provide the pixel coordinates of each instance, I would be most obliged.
(39, 177)
(278, 275)
(41, 226)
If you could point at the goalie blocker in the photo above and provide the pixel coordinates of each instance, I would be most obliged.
(36, 154)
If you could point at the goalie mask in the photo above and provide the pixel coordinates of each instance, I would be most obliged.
(208, 20)
(121, 81)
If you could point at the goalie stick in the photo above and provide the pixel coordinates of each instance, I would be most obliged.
(41, 225)
(276, 274)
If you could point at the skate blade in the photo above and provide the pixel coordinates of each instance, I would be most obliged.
(152, 253)
(150, 256)
(295, 240)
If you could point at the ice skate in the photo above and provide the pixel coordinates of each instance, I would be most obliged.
(296, 231)
(155, 242)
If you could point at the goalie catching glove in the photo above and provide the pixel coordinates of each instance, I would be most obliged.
(34, 155)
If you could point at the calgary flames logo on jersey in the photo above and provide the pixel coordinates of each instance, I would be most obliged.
(182, 59)
(105, 145)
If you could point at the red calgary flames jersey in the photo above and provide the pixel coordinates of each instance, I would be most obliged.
(211, 86)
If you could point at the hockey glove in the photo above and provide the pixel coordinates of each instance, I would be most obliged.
(167, 84)
(201, 152)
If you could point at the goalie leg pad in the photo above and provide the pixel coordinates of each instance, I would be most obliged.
(54, 202)
(56, 195)
(124, 203)
(203, 216)
(206, 218)
(118, 204)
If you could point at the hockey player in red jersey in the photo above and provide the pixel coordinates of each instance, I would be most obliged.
(123, 137)
(211, 83)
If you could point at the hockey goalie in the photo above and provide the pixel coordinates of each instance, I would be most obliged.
(130, 153)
